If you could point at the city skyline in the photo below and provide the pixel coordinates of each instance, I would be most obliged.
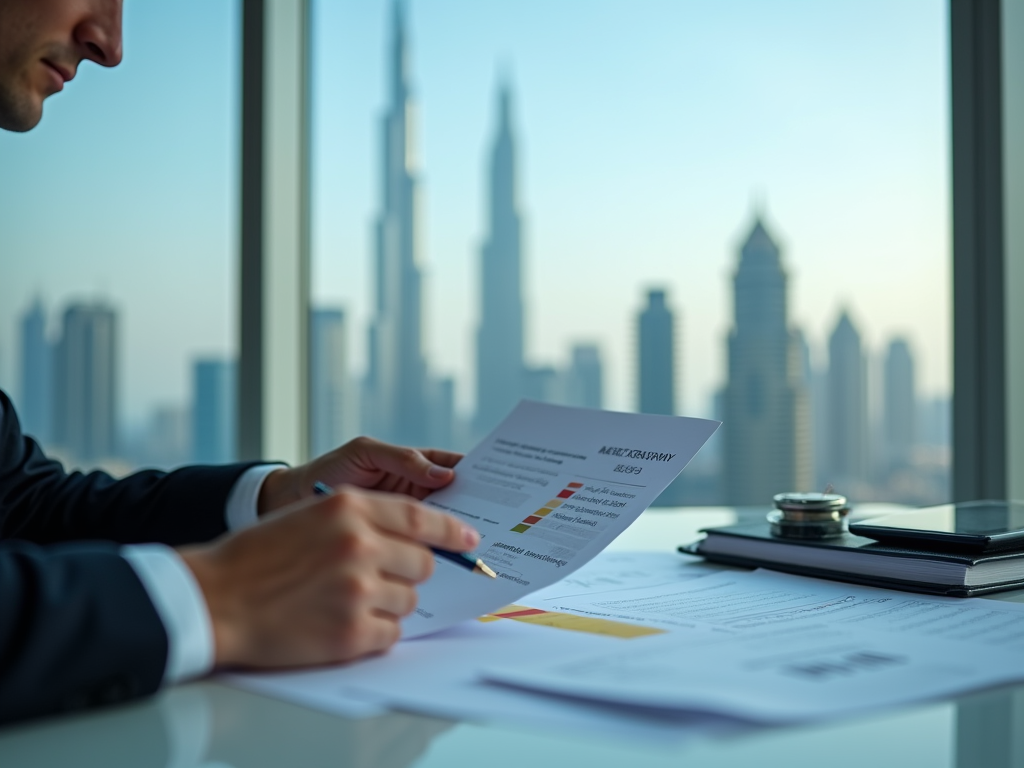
(397, 393)
(167, 224)
(628, 215)
(611, 182)
(905, 458)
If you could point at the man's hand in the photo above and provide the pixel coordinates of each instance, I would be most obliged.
(363, 463)
(323, 581)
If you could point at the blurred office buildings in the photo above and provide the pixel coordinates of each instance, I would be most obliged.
(84, 415)
(404, 400)
(68, 397)
(36, 403)
(214, 416)
(766, 430)
(334, 402)
(789, 424)
(584, 377)
(845, 452)
(656, 345)
(899, 416)
(792, 420)
(396, 395)
(500, 366)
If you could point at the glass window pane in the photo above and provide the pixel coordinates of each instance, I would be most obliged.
(118, 222)
(736, 209)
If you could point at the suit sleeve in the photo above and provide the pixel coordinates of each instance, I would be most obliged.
(41, 503)
(77, 630)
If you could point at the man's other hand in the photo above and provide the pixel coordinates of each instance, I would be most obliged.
(323, 581)
(363, 463)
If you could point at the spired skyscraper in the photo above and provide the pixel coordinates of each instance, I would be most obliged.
(764, 403)
(396, 396)
(657, 358)
(500, 368)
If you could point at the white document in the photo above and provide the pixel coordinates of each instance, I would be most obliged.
(982, 623)
(437, 676)
(775, 648)
(613, 570)
(612, 578)
(549, 489)
(733, 601)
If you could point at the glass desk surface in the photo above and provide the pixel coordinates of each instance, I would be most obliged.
(212, 725)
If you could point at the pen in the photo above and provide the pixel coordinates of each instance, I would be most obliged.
(474, 564)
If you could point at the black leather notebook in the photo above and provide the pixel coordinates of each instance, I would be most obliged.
(863, 561)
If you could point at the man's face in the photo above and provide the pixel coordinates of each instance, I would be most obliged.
(42, 42)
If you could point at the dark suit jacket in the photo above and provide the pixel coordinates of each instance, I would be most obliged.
(77, 628)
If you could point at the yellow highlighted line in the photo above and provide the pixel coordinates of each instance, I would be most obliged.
(590, 625)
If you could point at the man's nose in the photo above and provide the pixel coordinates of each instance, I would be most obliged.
(99, 37)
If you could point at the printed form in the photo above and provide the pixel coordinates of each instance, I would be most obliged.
(549, 489)
(778, 648)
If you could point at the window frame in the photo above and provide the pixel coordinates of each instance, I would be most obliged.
(988, 326)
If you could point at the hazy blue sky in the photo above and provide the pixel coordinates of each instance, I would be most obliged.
(128, 190)
(646, 131)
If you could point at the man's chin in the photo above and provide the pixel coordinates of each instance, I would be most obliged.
(20, 114)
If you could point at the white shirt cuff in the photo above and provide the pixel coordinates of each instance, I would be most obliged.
(181, 607)
(243, 502)
(176, 595)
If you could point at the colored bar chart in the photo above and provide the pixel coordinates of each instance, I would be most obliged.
(536, 517)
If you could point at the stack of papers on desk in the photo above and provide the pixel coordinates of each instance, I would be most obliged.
(733, 648)
(439, 675)
(773, 648)
(657, 646)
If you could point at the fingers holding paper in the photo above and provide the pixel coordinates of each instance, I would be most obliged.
(325, 580)
(363, 463)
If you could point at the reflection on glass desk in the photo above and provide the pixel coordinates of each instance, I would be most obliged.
(208, 724)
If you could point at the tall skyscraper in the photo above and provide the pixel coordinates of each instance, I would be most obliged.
(846, 455)
(35, 403)
(85, 386)
(396, 386)
(657, 357)
(899, 406)
(544, 383)
(935, 418)
(214, 411)
(765, 406)
(584, 384)
(332, 411)
(500, 371)
(806, 384)
(168, 438)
